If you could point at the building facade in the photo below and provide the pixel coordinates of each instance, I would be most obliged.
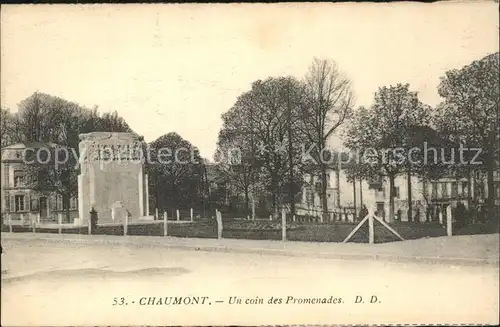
(428, 198)
(22, 204)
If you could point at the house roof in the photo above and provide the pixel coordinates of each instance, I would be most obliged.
(14, 152)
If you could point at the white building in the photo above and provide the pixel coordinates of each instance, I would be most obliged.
(342, 195)
(20, 202)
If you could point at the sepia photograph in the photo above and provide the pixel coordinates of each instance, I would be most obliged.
(250, 164)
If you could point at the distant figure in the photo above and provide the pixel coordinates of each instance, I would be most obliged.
(410, 218)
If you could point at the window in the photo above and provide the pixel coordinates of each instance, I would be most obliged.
(19, 203)
(396, 191)
(73, 204)
(444, 190)
(18, 178)
(59, 202)
(465, 188)
(34, 204)
(480, 190)
(434, 191)
(454, 189)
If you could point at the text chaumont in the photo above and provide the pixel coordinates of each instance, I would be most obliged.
(174, 300)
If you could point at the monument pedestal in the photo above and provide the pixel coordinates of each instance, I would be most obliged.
(112, 171)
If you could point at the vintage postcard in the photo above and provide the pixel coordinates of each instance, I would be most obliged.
(250, 164)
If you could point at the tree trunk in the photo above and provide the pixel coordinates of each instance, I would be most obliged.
(337, 176)
(66, 200)
(360, 192)
(410, 211)
(291, 193)
(247, 201)
(391, 199)
(324, 197)
(490, 177)
(469, 189)
(354, 193)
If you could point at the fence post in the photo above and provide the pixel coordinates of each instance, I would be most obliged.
(156, 214)
(38, 218)
(165, 224)
(9, 219)
(178, 215)
(371, 233)
(283, 225)
(440, 216)
(125, 225)
(270, 217)
(59, 222)
(293, 218)
(191, 214)
(33, 221)
(449, 221)
(219, 224)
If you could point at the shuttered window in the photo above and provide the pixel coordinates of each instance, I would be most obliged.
(434, 191)
(59, 202)
(34, 203)
(454, 189)
(73, 203)
(12, 204)
(444, 190)
(6, 172)
(19, 203)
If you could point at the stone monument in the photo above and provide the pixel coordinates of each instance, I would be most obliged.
(112, 179)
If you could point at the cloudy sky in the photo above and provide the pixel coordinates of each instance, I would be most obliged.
(177, 68)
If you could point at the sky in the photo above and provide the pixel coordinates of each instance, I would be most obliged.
(178, 68)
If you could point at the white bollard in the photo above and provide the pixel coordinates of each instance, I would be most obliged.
(9, 219)
(178, 215)
(371, 233)
(191, 214)
(440, 217)
(125, 224)
(156, 214)
(38, 218)
(165, 224)
(219, 225)
(283, 225)
(33, 221)
(59, 222)
(270, 217)
(293, 218)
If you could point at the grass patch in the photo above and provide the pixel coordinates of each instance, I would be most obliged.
(271, 230)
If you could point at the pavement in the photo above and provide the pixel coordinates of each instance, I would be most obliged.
(125, 281)
(472, 250)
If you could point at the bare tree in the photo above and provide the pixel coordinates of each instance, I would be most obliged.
(328, 104)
